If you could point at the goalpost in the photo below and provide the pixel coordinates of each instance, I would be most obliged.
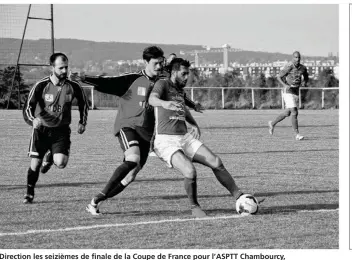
(22, 59)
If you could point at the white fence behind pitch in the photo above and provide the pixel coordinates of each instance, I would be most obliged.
(253, 90)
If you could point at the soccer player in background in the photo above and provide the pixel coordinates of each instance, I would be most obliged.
(291, 78)
(174, 145)
(48, 110)
(134, 124)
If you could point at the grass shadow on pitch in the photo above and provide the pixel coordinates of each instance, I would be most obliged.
(285, 209)
(272, 194)
(209, 196)
(281, 151)
(260, 126)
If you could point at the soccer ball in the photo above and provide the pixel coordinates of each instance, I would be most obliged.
(246, 205)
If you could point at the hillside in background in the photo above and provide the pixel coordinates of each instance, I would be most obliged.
(81, 51)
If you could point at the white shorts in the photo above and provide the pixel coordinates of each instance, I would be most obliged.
(290, 100)
(166, 145)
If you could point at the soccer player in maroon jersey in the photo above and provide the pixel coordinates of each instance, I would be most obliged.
(174, 145)
(48, 110)
(291, 78)
(134, 124)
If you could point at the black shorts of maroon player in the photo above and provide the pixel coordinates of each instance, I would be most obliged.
(129, 137)
(57, 139)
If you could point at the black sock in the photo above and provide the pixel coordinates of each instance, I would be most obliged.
(119, 187)
(191, 190)
(115, 179)
(226, 180)
(99, 197)
(32, 178)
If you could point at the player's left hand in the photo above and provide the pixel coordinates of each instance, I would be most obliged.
(198, 108)
(81, 128)
(195, 132)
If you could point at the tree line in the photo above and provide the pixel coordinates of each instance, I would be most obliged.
(210, 98)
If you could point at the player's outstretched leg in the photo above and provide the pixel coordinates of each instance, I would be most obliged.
(118, 175)
(280, 117)
(181, 163)
(206, 157)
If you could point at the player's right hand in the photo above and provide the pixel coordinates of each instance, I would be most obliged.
(37, 123)
(172, 105)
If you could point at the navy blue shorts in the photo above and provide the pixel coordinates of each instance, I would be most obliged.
(57, 139)
(129, 137)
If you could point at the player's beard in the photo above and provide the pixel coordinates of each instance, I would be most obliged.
(61, 76)
(180, 83)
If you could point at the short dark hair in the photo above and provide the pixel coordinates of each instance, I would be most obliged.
(152, 52)
(54, 56)
(176, 64)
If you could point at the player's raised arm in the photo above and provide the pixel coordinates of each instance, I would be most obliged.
(114, 85)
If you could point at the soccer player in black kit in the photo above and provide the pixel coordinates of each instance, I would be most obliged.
(48, 111)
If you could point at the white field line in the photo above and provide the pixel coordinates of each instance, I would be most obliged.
(39, 231)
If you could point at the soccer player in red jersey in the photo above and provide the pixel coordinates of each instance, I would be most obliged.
(174, 145)
(291, 78)
(48, 110)
(134, 124)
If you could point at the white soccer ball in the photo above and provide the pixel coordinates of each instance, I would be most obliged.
(246, 205)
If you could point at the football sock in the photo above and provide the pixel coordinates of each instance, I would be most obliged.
(119, 187)
(32, 178)
(99, 197)
(226, 180)
(117, 176)
(191, 190)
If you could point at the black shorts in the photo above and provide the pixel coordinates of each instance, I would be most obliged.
(129, 137)
(57, 139)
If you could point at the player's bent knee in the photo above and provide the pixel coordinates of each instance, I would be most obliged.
(133, 158)
(60, 164)
(287, 113)
(190, 172)
(35, 164)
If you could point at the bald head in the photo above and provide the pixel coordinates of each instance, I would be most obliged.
(296, 59)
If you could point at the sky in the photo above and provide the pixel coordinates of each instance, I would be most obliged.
(313, 29)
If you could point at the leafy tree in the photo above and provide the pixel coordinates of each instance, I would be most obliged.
(6, 78)
(260, 81)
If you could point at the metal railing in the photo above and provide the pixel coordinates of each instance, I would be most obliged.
(192, 89)
(253, 89)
